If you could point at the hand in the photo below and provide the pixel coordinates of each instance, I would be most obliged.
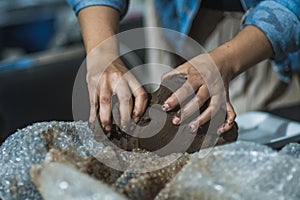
(213, 89)
(248, 47)
(107, 75)
(115, 79)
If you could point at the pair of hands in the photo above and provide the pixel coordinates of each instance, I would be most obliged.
(247, 48)
(115, 79)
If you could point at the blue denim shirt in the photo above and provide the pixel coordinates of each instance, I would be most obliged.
(278, 19)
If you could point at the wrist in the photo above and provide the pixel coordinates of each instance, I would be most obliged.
(248, 48)
(224, 59)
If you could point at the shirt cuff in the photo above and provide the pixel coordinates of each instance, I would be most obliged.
(286, 67)
(280, 25)
(120, 5)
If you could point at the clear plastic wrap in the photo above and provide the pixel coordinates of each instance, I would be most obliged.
(292, 149)
(237, 171)
(29, 146)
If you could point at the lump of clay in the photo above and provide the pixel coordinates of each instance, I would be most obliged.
(237, 171)
(155, 131)
(61, 181)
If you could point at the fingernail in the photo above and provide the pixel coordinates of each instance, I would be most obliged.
(193, 128)
(230, 123)
(108, 128)
(220, 131)
(178, 113)
(176, 120)
(135, 119)
(133, 114)
(165, 107)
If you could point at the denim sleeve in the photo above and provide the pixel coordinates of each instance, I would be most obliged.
(279, 20)
(280, 24)
(120, 5)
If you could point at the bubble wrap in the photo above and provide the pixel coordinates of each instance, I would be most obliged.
(29, 146)
(237, 171)
(292, 149)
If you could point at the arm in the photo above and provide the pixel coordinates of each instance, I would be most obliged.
(248, 48)
(97, 24)
(271, 30)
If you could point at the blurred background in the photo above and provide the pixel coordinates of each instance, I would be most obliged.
(41, 50)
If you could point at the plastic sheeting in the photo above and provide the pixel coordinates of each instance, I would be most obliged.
(29, 146)
(239, 170)
(292, 149)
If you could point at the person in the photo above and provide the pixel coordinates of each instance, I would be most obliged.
(270, 30)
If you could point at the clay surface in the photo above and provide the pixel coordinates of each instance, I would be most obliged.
(156, 132)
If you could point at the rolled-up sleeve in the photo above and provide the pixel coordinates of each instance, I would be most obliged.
(279, 20)
(120, 5)
(280, 24)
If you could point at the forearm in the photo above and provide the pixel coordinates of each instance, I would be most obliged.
(248, 48)
(97, 24)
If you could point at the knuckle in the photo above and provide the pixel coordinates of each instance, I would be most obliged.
(232, 118)
(93, 104)
(143, 94)
(104, 100)
(200, 99)
(137, 113)
(183, 114)
(90, 80)
(233, 115)
(116, 75)
(165, 75)
(105, 120)
(126, 98)
(173, 98)
(105, 74)
(88, 76)
(199, 121)
(211, 109)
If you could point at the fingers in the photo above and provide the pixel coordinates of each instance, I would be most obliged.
(206, 115)
(192, 106)
(121, 85)
(105, 106)
(182, 69)
(124, 95)
(140, 104)
(185, 91)
(140, 95)
(93, 95)
(230, 117)
(170, 73)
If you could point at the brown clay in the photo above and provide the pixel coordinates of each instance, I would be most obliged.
(155, 129)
